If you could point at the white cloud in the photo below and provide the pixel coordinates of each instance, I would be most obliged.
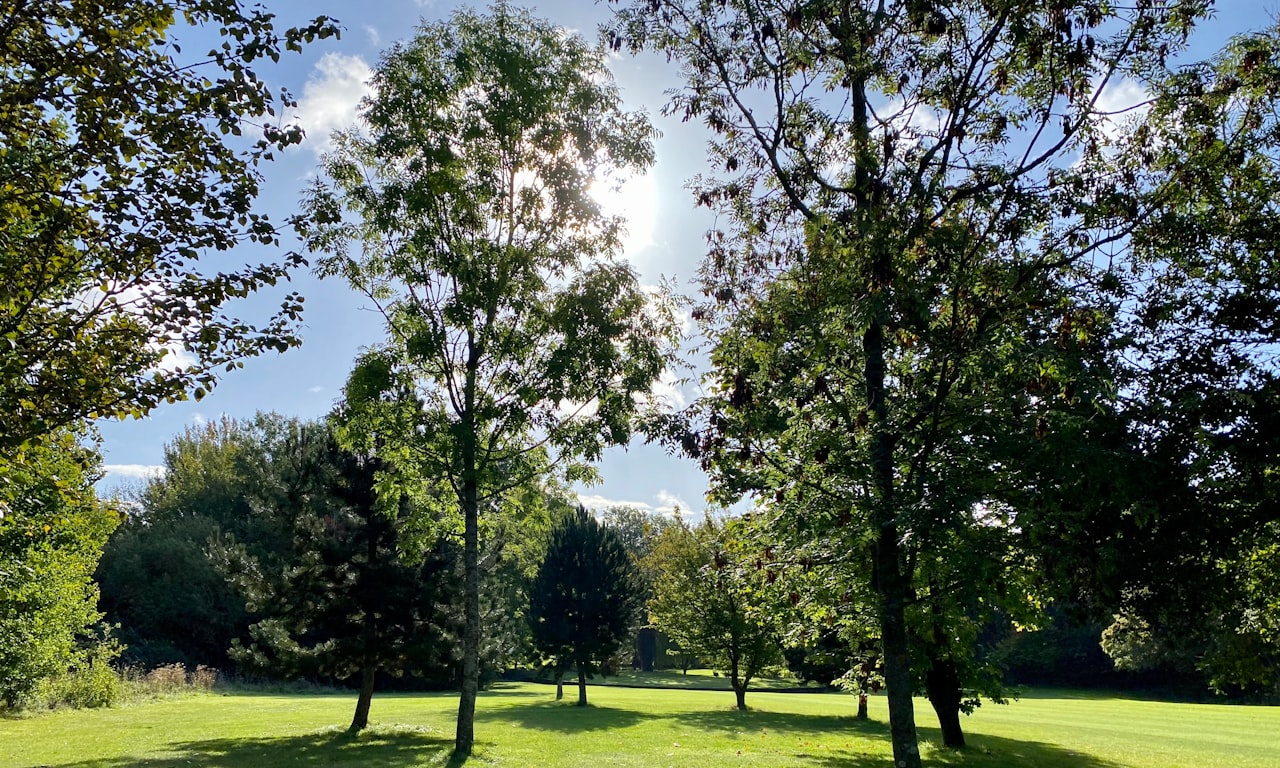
(331, 98)
(375, 39)
(594, 501)
(669, 502)
(1119, 104)
(199, 419)
(668, 391)
(666, 503)
(315, 389)
(139, 471)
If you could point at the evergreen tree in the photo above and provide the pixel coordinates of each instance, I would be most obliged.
(352, 602)
(584, 598)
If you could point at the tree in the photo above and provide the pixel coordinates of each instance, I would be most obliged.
(703, 600)
(52, 530)
(117, 177)
(461, 209)
(584, 599)
(351, 600)
(916, 193)
(229, 477)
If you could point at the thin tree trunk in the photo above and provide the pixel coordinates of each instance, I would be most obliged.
(465, 738)
(559, 684)
(361, 718)
(582, 685)
(739, 687)
(862, 706)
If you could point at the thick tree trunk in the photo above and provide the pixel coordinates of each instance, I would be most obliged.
(862, 706)
(582, 685)
(361, 718)
(897, 661)
(942, 685)
(465, 737)
(740, 693)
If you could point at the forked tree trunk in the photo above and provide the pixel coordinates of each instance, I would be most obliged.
(740, 693)
(361, 718)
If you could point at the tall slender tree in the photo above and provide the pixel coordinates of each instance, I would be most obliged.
(460, 206)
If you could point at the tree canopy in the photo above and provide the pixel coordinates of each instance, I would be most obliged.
(932, 223)
(121, 170)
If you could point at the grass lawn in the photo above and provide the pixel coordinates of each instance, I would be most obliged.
(697, 679)
(520, 725)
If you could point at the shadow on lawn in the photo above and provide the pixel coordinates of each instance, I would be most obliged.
(563, 717)
(982, 752)
(377, 747)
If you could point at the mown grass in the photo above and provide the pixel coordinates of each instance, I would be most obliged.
(521, 725)
(695, 679)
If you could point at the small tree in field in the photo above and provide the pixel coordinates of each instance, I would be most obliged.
(703, 600)
(584, 598)
(350, 603)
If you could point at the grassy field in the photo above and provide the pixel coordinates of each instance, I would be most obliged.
(520, 725)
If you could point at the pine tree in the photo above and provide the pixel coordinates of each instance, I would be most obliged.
(584, 598)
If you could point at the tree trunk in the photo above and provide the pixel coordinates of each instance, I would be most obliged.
(889, 580)
(559, 685)
(942, 685)
(862, 706)
(465, 738)
(739, 687)
(582, 685)
(361, 718)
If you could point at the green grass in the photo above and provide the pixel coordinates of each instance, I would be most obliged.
(696, 679)
(520, 725)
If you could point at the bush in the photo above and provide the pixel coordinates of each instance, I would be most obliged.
(91, 683)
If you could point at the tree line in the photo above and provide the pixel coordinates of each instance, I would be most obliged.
(984, 347)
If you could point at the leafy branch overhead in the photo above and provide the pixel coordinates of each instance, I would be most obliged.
(121, 171)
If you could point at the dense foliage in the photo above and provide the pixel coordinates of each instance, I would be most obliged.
(52, 530)
(119, 172)
(941, 274)
(706, 599)
(350, 599)
(584, 599)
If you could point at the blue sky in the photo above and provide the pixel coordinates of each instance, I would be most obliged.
(665, 238)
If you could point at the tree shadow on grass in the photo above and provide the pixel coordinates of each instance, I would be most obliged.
(562, 716)
(379, 746)
(836, 730)
(982, 752)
